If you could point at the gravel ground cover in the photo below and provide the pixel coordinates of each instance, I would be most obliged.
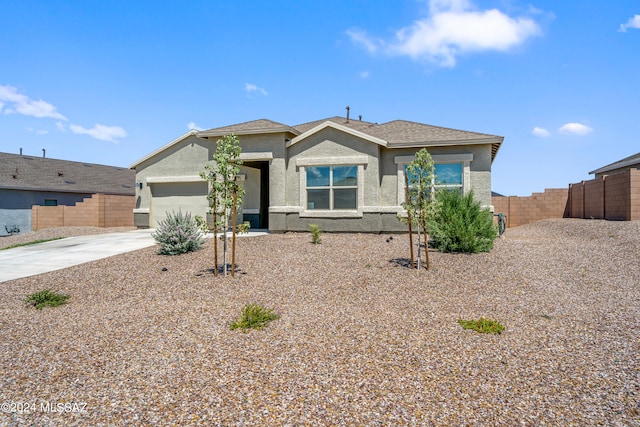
(145, 338)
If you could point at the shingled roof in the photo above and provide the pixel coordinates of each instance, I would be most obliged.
(627, 162)
(245, 128)
(21, 172)
(394, 134)
(404, 133)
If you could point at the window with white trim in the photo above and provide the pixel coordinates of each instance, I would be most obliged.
(453, 172)
(332, 187)
(448, 176)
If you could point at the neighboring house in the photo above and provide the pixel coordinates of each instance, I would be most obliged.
(631, 162)
(27, 180)
(344, 175)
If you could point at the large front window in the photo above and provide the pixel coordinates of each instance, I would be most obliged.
(332, 187)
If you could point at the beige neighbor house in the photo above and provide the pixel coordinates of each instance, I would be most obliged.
(344, 175)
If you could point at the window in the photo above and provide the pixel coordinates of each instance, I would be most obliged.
(50, 202)
(449, 177)
(332, 187)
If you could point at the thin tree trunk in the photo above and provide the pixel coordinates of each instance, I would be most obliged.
(215, 238)
(233, 232)
(406, 188)
(426, 243)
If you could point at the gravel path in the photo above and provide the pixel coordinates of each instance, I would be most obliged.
(361, 339)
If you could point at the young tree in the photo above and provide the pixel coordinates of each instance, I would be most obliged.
(225, 194)
(419, 183)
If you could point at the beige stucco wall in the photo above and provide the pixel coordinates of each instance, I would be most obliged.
(332, 143)
(184, 160)
(480, 170)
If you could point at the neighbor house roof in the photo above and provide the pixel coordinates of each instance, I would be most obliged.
(22, 172)
(627, 162)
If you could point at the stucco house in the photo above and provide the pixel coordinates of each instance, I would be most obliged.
(27, 181)
(344, 175)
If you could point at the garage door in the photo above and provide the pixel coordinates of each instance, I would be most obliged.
(171, 197)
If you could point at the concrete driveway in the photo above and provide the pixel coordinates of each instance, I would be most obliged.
(30, 260)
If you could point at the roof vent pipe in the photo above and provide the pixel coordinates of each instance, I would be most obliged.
(360, 117)
(21, 151)
(44, 152)
(348, 108)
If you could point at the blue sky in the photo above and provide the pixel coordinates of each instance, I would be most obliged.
(109, 82)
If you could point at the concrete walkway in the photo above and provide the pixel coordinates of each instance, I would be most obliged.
(40, 258)
(25, 261)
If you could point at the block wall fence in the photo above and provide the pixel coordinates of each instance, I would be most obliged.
(100, 210)
(612, 197)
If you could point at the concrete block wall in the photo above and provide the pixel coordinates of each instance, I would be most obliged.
(100, 210)
(593, 196)
(552, 203)
(612, 197)
(634, 196)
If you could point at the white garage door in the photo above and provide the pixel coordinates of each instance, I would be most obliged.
(178, 196)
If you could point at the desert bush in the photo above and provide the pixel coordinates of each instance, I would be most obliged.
(177, 234)
(459, 224)
(482, 325)
(316, 233)
(254, 316)
(45, 298)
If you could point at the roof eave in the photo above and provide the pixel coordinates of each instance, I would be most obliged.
(216, 133)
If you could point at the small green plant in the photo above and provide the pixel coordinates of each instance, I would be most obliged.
(34, 242)
(45, 298)
(459, 224)
(316, 232)
(177, 234)
(482, 325)
(254, 316)
(244, 227)
(201, 223)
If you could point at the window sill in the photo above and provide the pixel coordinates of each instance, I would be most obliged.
(331, 214)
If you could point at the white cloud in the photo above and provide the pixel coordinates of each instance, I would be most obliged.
(193, 126)
(250, 87)
(60, 127)
(361, 38)
(22, 104)
(454, 27)
(631, 23)
(363, 74)
(38, 131)
(575, 129)
(101, 132)
(541, 132)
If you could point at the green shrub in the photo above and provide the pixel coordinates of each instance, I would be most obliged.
(45, 298)
(482, 325)
(459, 224)
(177, 234)
(201, 223)
(254, 316)
(315, 231)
